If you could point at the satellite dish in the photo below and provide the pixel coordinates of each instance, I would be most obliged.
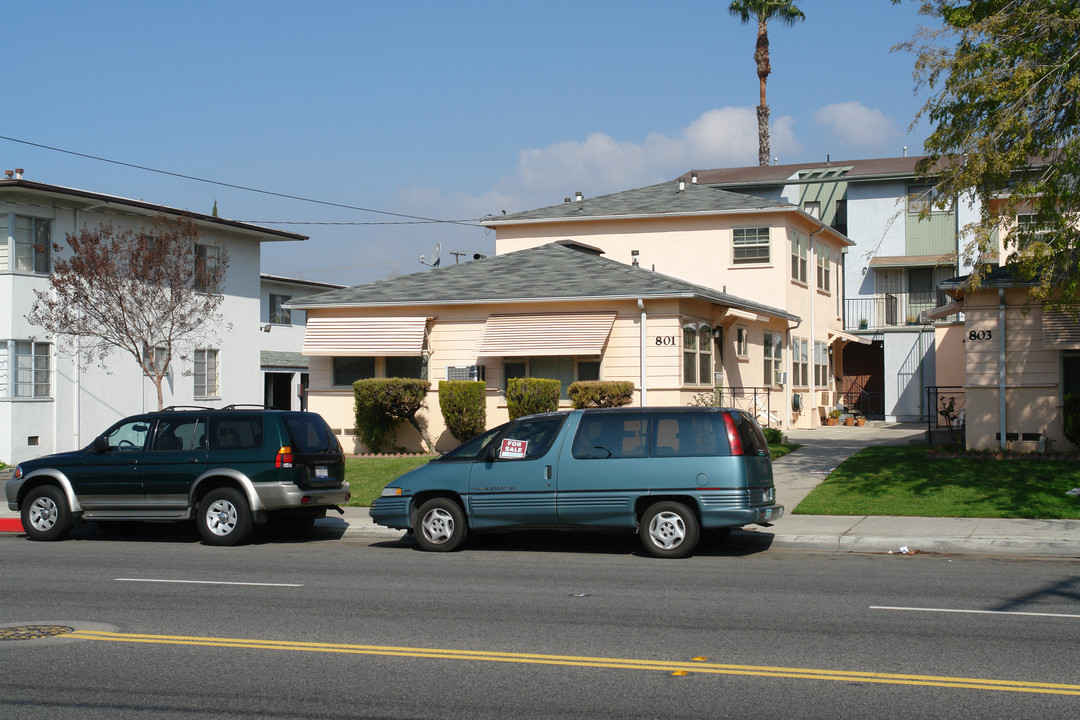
(436, 253)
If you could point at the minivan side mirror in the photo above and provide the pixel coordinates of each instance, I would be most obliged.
(101, 445)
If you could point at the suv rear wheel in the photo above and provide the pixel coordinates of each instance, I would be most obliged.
(224, 517)
(45, 513)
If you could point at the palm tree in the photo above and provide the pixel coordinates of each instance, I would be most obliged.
(763, 11)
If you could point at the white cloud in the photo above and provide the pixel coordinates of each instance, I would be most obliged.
(857, 125)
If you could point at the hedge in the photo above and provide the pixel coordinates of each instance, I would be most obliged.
(528, 396)
(382, 404)
(601, 393)
(464, 407)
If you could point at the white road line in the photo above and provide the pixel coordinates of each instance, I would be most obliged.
(973, 612)
(207, 582)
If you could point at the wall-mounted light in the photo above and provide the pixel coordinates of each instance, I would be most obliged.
(266, 328)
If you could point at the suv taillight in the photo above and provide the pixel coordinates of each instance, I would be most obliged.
(284, 457)
(733, 435)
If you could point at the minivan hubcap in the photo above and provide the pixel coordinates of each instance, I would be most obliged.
(667, 530)
(438, 526)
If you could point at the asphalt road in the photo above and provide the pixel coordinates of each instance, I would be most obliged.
(531, 625)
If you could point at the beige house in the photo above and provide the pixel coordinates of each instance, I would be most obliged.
(677, 288)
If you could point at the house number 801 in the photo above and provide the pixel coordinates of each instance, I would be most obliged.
(665, 339)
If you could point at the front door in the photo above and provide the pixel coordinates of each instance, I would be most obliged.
(515, 485)
(177, 456)
(111, 479)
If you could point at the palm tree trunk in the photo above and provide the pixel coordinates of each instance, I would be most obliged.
(761, 56)
(763, 135)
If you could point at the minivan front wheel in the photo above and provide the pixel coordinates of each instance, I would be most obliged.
(669, 530)
(440, 525)
(224, 517)
(45, 513)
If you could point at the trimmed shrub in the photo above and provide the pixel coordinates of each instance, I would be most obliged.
(382, 404)
(528, 396)
(600, 393)
(464, 407)
(773, 436)
(1070, 412)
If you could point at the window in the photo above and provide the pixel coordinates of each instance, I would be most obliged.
(206, 373)
(4, 382)
(800, 362)
(412, 366)
(348, 370)
(564, 368)
(242, 432)
(750, 245)
(689, 435)
(529, 439)
(31, 369)
(742, 342)
(774, 358)
(1028, 223)
(31, 245)
(1070, 373)
(799, 251)
(128, 436)
(278, 314)
(824, 257)
(697, 354)
(207, 268)
(923, 196)
(157, 362)
(614, 435)
(186, 433)
(821, 365)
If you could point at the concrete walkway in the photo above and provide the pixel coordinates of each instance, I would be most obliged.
(796, 474)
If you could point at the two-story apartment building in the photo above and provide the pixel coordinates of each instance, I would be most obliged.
(678, 288)
(893, 273)
(49, 402)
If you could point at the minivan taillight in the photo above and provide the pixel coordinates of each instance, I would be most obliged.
(284, 457)
(733, 435)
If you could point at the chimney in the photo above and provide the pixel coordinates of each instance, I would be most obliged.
(18, 173)
(693, 178)
(578, 197)
(9, 174)
(634, 256)
(905, 151)
(682, 184)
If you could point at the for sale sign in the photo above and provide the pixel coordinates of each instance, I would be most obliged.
(513, 449)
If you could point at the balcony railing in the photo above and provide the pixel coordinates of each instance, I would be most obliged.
(873, 312)
(754, 400)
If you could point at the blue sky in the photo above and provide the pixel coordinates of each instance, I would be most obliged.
(446, 110)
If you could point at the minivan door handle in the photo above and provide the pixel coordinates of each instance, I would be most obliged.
(547, 472)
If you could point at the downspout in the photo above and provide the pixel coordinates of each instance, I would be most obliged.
(810, 401)
(1001, 364)
(641, 307)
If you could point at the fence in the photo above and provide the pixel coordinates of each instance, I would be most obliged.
(755, 400)
(873, 312)
(945, 409)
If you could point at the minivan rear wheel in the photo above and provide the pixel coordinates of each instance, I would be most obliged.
(440, 525)
(669, 530)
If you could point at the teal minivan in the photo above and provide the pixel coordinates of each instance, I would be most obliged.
(667, 472)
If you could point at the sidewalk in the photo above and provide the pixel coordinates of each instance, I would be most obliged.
(796, 474)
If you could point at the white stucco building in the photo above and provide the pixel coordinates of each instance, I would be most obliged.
(48, 403)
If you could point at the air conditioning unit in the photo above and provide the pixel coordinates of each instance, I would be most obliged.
(465, 372)
(781, 378)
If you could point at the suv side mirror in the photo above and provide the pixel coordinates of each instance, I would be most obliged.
(101, 445)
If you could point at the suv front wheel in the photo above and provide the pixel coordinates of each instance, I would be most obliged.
(224, 517)
(45, 513)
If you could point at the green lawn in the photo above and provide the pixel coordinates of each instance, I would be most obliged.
(367, 476)
(891, 480)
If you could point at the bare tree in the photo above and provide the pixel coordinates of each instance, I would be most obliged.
(154, 294)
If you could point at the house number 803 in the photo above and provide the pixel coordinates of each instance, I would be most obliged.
(665, 339)
(981, 335)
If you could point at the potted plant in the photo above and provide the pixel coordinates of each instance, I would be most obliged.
(849, 421)
(834, 418)
(863, 323)
(860, 421)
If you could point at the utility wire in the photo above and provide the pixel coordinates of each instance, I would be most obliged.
(236, 187)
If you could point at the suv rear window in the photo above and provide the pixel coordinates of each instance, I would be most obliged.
(236, 432)
(309, 433)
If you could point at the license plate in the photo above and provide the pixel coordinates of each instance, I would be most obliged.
(320, 472)
(768, 514)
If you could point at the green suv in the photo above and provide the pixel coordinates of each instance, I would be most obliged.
(229, 469)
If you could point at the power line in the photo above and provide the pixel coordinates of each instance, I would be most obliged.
(236, 187)
(398, 222)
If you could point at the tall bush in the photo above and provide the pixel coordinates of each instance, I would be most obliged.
(464, 407)
(600, 393)
(382, 404)
(1071, 415)
(528, 396)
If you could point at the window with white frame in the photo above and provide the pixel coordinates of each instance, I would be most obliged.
(564, 368)
(920, 197)
(800, 362)
(30, 372)
(25, 243)
(156, 358)
(207, 268)
(821, 365)
(799, 251)
(206, 374)
(697, 354)
(774, 358)
(278, 314)
(742, 342)
(750, 246)
(1028, 223)
(824, 257)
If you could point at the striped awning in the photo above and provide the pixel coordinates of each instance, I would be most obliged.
(1060, 329)
(549, 334)
(374, 336)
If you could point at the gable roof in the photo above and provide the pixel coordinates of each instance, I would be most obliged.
(547, 273)
(664, 199)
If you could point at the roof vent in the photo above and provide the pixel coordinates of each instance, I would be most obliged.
(18, 173)
(682, 184)
(693, 178)
(9, 174)
(578, 197)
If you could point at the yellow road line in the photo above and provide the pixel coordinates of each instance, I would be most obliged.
(681, 667)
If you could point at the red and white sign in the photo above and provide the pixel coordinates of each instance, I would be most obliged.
(513, 449)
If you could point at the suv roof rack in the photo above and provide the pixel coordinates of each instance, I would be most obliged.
(237, 406)
(180, 408)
